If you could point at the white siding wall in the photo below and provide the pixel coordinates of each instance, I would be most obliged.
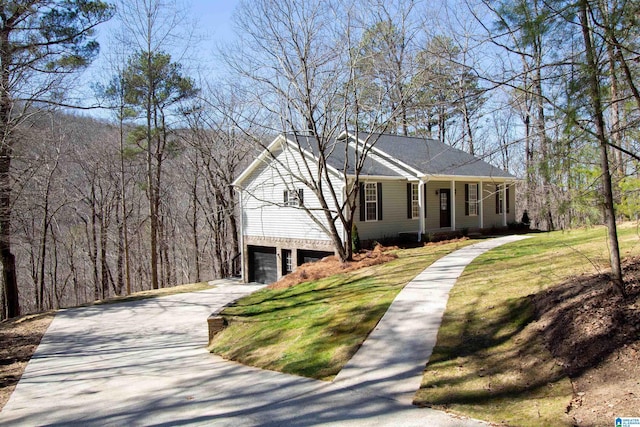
(394, 214)
(262, 218)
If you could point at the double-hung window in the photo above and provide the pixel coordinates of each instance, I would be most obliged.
(293, 197)
(371, 201)
(415, 203)
(287, 261)
(473, 200)
(370, 195)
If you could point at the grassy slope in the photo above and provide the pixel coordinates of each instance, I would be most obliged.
(489, 361)
(314, 328)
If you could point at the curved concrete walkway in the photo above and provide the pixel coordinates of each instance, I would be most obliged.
(144, 363)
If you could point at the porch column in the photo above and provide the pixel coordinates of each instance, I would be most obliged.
(481, 204)
(421, 204)
(453, 206)
(504, 204)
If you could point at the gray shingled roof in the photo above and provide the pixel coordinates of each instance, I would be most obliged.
(428, 156)
(434, 157)
(337, 157)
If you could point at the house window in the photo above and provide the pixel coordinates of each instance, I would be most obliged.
(473, 200)
(370, 195)
(293, 197)
(371, 201)
(287, 261)
(500, 193)
(415, 201)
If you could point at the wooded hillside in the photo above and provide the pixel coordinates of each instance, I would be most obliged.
(81, 212)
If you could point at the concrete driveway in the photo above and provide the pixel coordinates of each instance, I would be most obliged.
(145, 363)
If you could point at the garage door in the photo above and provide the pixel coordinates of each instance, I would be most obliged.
(262, 264)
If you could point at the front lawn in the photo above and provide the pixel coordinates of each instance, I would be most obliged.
(491, 361)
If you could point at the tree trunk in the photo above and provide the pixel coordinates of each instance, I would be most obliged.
(194, 221)
(104, 266)
(120, 281)
(12, 300)
(153, 208)
(596, 103)
(94, 244)
(43, 255)
(544, 144)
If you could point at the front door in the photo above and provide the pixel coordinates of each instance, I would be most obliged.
(445, 207)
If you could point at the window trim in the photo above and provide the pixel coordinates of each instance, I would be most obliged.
(415, 200)
(472, 200)
(362, 200)
(287, 261)
(368, 204)
(293, 198)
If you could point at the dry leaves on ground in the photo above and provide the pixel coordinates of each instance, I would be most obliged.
(19, 339)
(594, 333)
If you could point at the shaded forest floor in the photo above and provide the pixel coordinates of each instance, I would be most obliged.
(19, 339)
(594, 334)
(591, 331)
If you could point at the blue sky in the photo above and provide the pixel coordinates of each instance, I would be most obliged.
(214, 25)
(214, 16)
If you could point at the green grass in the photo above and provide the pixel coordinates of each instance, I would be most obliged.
(314, 328)
(489, 361)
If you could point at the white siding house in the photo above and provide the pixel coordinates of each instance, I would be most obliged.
(408, 186)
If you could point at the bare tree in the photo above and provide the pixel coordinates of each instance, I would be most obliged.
(221, 148)
(40, 43)
(300, 63)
